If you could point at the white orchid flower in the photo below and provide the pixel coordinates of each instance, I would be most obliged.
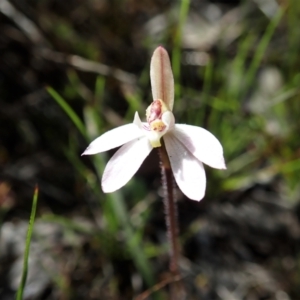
(187, 146)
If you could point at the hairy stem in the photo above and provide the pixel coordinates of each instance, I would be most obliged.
(170, 208)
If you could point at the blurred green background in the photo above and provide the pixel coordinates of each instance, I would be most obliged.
(71, 70)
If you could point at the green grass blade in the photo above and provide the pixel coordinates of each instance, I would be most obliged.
(68, 110)
(27, 245)
(99, 88)
(138, 255)
(176, 55)
(238, 68)
(261, 49)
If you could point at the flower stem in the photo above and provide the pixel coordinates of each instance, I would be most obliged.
(170, 209)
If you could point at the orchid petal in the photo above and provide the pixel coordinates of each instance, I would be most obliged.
(137, 121)
(169, 120)
(114, 138)
(202, 144)
(162, 81)
(188, 171)
(124, 164)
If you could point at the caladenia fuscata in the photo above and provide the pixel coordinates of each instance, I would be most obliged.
(182, 149)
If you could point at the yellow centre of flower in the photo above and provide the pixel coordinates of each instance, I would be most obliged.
(154, 118)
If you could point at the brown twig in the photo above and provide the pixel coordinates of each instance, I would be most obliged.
(86, 65)
(158, 287)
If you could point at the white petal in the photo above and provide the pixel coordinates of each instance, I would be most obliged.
(188, 171)
(168, 119)
(114, 138)
(124, 164)
(162, 81)
(202, 144)
(137, 121)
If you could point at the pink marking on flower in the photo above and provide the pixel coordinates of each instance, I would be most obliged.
(155, 111)
(146, 127)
